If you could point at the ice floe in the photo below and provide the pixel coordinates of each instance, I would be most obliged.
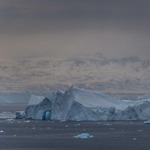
(83, 136)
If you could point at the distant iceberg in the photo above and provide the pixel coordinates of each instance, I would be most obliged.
(83, 105)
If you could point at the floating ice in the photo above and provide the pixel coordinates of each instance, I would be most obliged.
(134, 139)
(48, 128)
(20, 114)
(84, 136)
(1, 131)
(27, 121)
(62, 120)
(10, 120)
(147, 122)
(108, 124)
(77, 124)
(139, 130)
(83, 105)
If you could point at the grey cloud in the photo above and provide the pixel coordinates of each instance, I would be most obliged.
(64, 14)
(32, 28)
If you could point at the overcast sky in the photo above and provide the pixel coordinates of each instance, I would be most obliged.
(58, 28)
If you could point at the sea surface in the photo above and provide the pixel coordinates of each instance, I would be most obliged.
(49, 135)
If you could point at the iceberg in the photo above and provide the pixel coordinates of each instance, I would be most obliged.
(83, 105)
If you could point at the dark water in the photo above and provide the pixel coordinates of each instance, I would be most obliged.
(12, 107)
(43, 135)
(8, 110)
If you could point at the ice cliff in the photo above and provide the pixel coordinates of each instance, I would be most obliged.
(83, 105)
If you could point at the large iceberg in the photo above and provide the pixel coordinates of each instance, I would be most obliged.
(83, 105)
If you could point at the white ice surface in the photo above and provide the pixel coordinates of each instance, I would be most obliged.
(35, 99)
(93, 99)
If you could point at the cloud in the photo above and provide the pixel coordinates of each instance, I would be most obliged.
(62, 27)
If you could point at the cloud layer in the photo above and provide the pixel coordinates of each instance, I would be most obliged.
(64, 28)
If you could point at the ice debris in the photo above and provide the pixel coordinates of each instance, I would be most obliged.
(27, 121)
(84, 136)
(108, 124)
(77, 124)
(10, 120)
(139, 130)
(20, 114)
(147, 122)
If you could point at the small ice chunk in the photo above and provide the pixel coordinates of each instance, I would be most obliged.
(112, 128)
(1, 131)
(84, 136)
(10, 120)
(134, 139)
(147, 122)
(139, 130)
(33, 128)
(20, 114)
(66, 126)
(14, 135)
(3, 117)
(62, 120)
(107, 124)
(48, 128)
(77, 124)
(27, 121)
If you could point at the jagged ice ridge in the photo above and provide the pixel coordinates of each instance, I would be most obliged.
(83, 105)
